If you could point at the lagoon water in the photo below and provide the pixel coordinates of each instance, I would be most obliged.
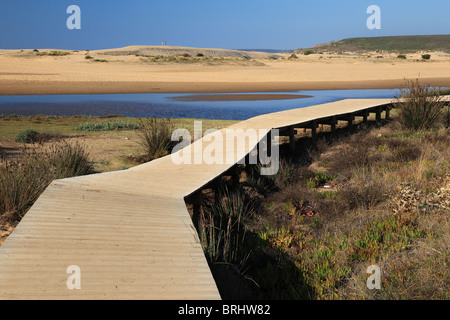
(164, 105)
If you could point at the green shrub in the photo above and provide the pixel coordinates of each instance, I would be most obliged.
(308, 52)
(421, 107)
(69, 160)
(401, 56)
(108, 126)
(155, 138)
(287, 174)
(222, 229)
(28, 136)
(426, 56)
(53, 53)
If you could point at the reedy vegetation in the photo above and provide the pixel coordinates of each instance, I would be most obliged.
(24, 179)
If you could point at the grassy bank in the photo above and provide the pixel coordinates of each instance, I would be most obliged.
(11, 125)
(113, 141)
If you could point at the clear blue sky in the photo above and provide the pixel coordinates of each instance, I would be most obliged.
(230, 24)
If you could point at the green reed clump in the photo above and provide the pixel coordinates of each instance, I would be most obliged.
(23, 180)
(155, 138)
(421, 107)
(222, 229)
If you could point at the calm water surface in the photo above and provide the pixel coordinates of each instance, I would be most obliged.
(163, 105)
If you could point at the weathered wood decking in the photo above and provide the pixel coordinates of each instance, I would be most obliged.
(130, 232)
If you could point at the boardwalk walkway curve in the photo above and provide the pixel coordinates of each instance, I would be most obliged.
(130, 232)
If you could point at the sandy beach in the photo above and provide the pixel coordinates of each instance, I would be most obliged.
(136, 70)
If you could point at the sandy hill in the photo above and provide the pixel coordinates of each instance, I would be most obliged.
(178, 51)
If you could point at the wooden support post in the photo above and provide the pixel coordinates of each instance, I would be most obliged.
(314, 130)
(235, 175)
(378, 114)
(365, 116)
(292, 139)
(333, 126)
(350, 120)
(387, 116)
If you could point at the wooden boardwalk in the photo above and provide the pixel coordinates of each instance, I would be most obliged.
(130, 232)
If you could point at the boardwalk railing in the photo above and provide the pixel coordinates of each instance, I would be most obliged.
(128, 234)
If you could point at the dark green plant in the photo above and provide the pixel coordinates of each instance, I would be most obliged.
(222, 229)
(53, 53)
(155, 137)
(28, 136)
(426, 56)
(108, 126)
(287, 174)
(421, 107)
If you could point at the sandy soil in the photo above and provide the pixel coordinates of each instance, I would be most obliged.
(134, 70)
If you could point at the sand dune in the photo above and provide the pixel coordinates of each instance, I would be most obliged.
(178, 51)
(125, 70)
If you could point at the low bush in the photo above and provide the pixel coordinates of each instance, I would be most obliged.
(155, 138)
(421, 107)
(108, 126)
(28, 136)
(53, 53)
